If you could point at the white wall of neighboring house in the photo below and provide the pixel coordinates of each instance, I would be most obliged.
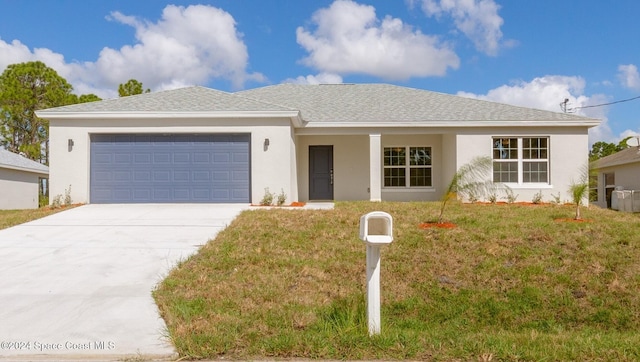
(271, 167)
(627, 177)
(18, 189)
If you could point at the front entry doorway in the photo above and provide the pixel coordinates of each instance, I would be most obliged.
(320, 172)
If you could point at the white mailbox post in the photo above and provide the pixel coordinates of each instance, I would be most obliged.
(376, 229)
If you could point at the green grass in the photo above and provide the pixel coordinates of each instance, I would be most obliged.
(508, 283)
(9, 218)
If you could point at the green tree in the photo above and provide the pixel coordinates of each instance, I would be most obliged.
(24, 89)
(84, 98)
(602, 149)
(131, 87)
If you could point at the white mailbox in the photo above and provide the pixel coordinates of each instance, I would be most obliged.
(376, 228)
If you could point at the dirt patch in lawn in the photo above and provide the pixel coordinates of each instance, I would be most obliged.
(441, 225)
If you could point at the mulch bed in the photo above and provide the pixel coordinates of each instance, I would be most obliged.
(441, 225)
(572, 220)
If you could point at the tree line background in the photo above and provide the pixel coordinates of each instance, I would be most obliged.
(31, 86)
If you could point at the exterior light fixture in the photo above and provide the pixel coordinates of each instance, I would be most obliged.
(266, 144)
(70, 144)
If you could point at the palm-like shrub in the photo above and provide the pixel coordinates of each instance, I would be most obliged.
(579, 190)
(472, 180)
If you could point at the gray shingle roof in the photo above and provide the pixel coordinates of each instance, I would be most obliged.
(14, 161)
(328, 104)
(385, 103)
(626, 156)
(190, 99)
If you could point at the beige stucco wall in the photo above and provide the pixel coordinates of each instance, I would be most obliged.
(271, 168)
(18, 189)
(351, 165)
(568, 148)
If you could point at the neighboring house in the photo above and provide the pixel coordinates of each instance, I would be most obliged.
(621, 169)
(19, 181)
(312, 142)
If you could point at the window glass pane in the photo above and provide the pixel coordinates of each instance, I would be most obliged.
(534, 148)
(394, 156)
(534, 172)
(505, 172)
(420, 156)
(394, 177)
(505, 148)
(420, 176)
(609, 179)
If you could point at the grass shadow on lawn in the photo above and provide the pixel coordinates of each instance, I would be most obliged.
(508, 283)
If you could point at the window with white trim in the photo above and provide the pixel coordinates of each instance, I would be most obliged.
(407, 167)
(521, 159)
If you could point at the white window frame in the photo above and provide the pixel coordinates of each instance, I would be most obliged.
(407, 167)
(520, 161)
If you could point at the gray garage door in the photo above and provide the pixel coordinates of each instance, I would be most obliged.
(148, 168)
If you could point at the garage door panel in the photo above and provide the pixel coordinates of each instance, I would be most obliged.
(183, 158)
(161, 158)
(122, 176)
(170, 168)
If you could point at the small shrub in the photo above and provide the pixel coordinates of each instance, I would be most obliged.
(557, 200)
(473, 197)
(67, 196)
(493, 198)
(57, 201)
(282, 197)
(267, 199)
(537, 198)
(511, 197)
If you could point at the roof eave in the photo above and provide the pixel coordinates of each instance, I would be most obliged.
(465, 124)
(24, 169)
(293, 115)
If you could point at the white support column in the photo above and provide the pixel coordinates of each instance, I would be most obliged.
(375, 167)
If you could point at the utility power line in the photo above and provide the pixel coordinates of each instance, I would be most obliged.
(564, 108)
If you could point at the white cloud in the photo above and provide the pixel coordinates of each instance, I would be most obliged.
(350, 39)
(187, 46)
(629, 76)
(322, 78)
(14, 52)
(547, 93)
(476, 19)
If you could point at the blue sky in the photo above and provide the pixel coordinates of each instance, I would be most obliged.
(529, 53)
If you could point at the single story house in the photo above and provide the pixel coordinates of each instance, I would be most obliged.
(19, 181)
(311, 142)
(620, 170)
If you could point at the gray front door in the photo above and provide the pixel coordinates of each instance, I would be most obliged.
(320, 172)
(170, 168)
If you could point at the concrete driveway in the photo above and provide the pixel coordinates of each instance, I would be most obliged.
(78, 284)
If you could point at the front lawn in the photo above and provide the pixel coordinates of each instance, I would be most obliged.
(9, 218)
(508, 283)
